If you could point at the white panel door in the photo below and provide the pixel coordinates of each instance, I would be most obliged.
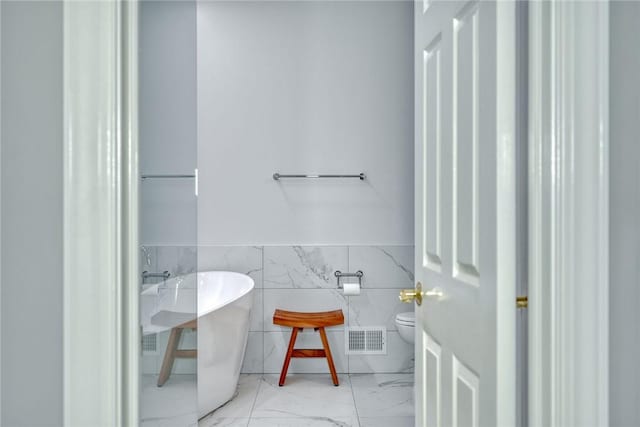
(465, 212)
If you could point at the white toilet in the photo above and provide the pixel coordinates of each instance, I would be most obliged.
(406, 323)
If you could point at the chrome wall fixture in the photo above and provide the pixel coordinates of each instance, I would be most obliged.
(339, 274)
(164, 275)
(278, 176)
(194, 176)
(167, 176)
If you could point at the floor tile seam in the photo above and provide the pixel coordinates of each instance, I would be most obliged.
(255, 398)
(353, 396)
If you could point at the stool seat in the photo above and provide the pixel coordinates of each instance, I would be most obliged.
(296, 319)
(300, 320)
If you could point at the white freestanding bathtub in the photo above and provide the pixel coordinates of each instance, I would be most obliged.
(224, 300)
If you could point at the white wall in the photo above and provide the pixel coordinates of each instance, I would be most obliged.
(31, 193)
(168, 120)
(302, 87)
(624, 257)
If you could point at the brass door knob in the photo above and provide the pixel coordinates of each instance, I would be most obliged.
(410, 295)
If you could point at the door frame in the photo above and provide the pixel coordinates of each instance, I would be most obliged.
(101, 334)
(100, 148)
(568, 213)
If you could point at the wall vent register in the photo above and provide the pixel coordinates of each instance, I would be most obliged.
(366, 340)
(150, 344)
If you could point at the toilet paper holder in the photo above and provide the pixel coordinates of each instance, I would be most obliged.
(339, 274)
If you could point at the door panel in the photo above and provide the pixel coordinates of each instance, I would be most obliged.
(464, 396)
(465, 234)
(465, 144)
(432, 381)
(432, 155)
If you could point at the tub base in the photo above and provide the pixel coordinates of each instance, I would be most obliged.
(222, 341)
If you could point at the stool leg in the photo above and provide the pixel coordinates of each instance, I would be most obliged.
(287, 359)
(169, 355)
(327, 350)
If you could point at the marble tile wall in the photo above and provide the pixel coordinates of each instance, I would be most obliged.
(177, 260)
(302, 278)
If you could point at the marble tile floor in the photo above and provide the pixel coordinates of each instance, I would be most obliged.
(172, 405)
(365, 400)
(361, 400)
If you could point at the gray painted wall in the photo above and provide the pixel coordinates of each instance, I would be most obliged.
(168, 120)
(624, 215)
(31, 192)
(304, 87)
(281, 86)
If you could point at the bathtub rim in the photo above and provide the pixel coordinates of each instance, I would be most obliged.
(241, 276)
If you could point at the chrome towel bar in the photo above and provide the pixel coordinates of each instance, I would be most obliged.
(277, 176)
(167, 176)
(193, 176)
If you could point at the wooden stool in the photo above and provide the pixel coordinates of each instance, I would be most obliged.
(298, 321)
(172, 352)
